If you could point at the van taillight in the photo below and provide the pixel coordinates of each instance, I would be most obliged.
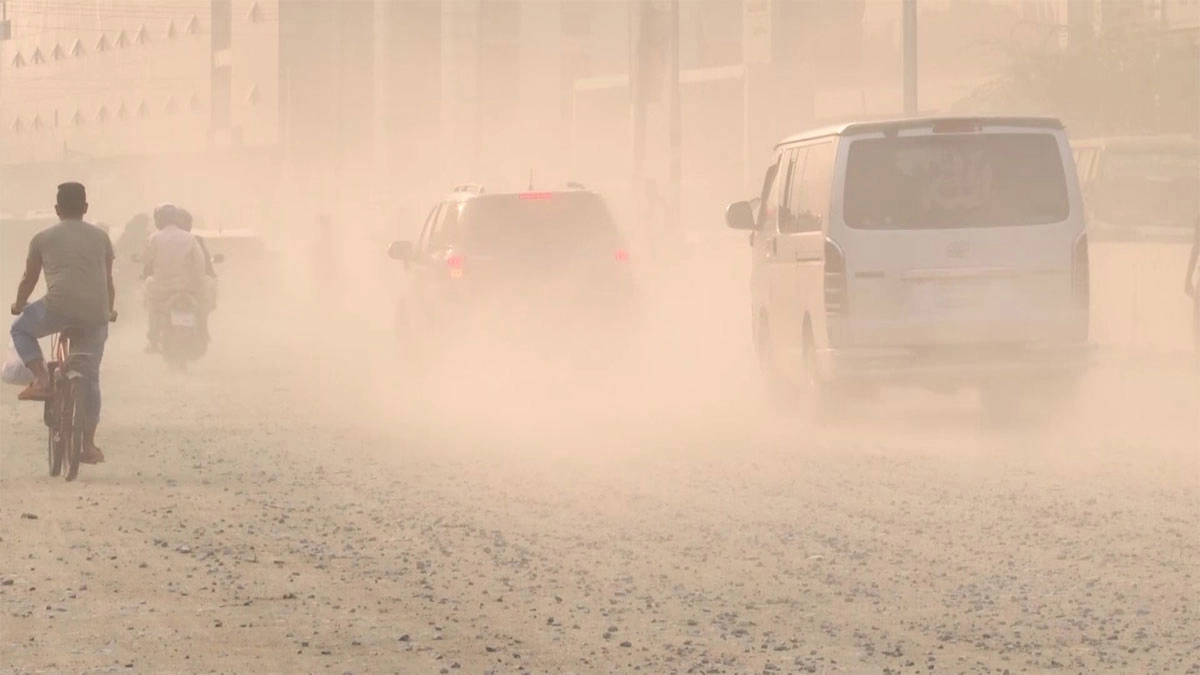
(836, 295)
(1081, 281)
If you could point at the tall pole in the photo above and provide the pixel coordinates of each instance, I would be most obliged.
(675, 134)
(910, 57)
(639, 10)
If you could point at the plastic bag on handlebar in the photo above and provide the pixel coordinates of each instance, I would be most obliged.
(14, 371)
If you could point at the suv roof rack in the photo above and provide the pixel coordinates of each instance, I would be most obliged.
(475, 188)
(575, 185)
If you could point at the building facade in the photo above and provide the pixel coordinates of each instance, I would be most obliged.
(346, 100)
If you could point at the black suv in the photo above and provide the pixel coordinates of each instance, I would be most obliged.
(547, 271)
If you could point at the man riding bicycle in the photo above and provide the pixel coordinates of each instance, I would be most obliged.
(174, 263)
(77, 259)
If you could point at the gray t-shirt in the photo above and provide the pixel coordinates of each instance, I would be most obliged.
(75, 257)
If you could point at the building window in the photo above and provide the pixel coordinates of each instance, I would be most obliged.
(37, 57)
(122, 113)
(18, 61)
(252, 96)
(102, 44)
(37, 123)
(143, 110)
(122, 39)
(77, 119)
(171, 107)
(171, 30)
(143, 36)
(255, 14)
(194, 104)
(193, 26)
(58, 54)
(102, 115)
(77, 49)
(18, 126)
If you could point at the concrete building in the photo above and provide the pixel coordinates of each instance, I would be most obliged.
(337, 99)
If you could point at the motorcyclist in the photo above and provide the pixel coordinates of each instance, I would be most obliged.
(210, 282)
(133, 238)
(173, 264)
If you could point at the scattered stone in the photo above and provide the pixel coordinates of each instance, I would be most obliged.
(29, 516)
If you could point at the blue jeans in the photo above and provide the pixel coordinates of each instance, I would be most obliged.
(37, 322)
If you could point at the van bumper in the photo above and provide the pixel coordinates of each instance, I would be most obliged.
(956, 365)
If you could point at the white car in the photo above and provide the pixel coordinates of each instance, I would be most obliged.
(940, 253)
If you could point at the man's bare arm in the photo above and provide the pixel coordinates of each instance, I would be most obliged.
(33, 271)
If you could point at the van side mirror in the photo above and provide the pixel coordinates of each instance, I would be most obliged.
(740, 216)
(218, 258)
(401, 250)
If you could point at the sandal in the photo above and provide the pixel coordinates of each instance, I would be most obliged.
(32, 393)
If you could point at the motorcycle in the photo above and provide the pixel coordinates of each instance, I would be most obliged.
(183, 338)
(182, 325)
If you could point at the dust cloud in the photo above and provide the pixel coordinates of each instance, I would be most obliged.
(313, 494)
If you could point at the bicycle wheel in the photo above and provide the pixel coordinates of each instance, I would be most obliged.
(55, 448)
(74, 424)
(56, 451)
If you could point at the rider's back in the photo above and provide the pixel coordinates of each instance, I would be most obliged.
(177, 262)
(75, 257)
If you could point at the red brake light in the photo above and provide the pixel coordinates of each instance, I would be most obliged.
(621, 255)
(535, 196)
(454, 262)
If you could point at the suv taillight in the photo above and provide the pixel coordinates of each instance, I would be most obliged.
(836, 295)
(1081, 281)
(454, 264)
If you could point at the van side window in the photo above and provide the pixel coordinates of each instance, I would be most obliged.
(787, 199)
(770, 196)
(812, 194)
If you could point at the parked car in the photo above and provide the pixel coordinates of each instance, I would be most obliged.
(1141, 188)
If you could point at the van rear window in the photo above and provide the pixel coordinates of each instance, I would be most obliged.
(955, 181)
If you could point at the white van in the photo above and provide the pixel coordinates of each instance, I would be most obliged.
(941, 253)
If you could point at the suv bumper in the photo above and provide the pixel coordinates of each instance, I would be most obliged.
(955, 365)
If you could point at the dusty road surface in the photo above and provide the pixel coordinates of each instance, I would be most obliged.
(275, 511)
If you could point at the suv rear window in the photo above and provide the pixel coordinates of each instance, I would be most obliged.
(955, 181)
(550, 222)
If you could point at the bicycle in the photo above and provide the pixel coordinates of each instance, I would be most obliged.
(67, 409)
